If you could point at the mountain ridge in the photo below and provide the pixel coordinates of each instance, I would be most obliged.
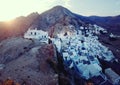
(52, 17)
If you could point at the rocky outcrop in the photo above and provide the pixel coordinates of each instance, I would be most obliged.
(11, 49)
(25, 62)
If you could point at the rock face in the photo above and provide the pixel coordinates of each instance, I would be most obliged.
(11, 49)
(25, 62)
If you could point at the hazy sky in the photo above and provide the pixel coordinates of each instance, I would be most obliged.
(9, 9)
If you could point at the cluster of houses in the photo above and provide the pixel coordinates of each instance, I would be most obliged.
(79, 52)
(93, 29)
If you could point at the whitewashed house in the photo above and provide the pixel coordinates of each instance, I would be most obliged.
(112, 76)
(37, 34)
(81, 52)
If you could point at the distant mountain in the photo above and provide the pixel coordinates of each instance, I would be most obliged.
(55, 18)
(16, 27)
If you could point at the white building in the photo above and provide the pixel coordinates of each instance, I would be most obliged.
(98, 29)
(112, 76)
(36, 34)
(57, 43)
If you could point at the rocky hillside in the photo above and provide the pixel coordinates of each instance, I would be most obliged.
(50, 19)
(26, 62)
(16, 27)
(57, 15)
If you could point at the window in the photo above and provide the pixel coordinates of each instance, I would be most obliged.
(76, 62)
(72, 68)
(83, 48)
(79, 60)
(35, 33)
(65, 58)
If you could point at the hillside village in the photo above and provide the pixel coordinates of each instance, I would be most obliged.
(81, 51)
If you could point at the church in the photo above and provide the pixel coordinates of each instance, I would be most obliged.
(36, 34)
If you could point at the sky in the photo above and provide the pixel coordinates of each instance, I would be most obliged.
(10, 9)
